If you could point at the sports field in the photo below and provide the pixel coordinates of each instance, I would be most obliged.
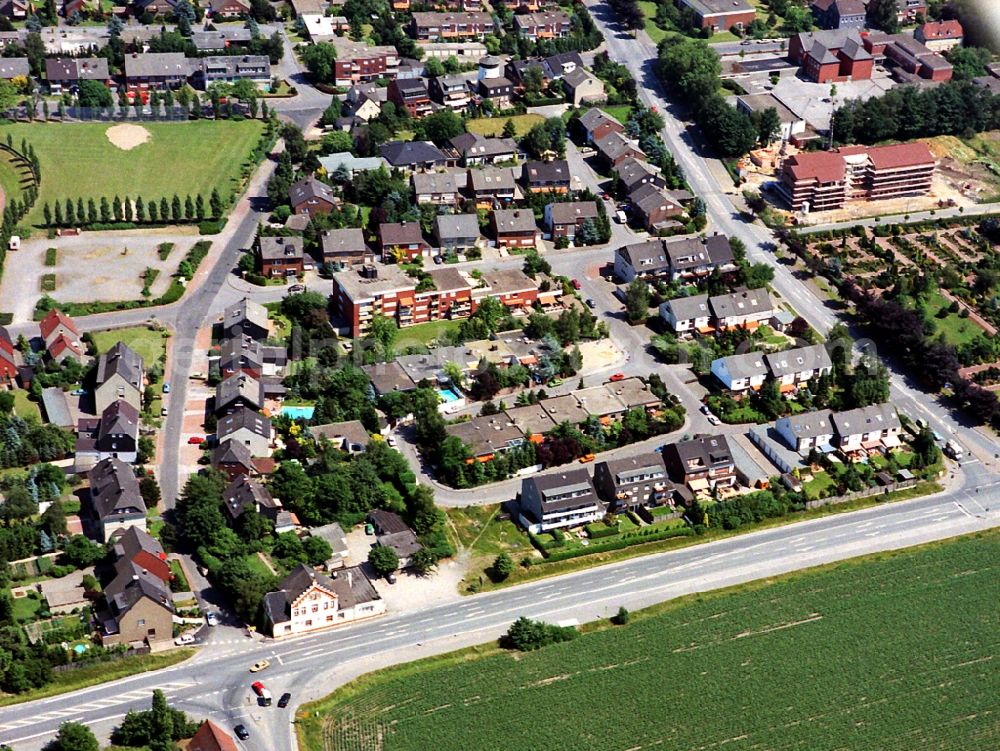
(78, 160)
(895, 652)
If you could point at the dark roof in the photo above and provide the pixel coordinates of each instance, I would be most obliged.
(133, 541)
(279, 248)
(77, 69)
(400, 233)
(551, 486)
(350, 585)
(570, 212)
(387, 522)
(310, 189)
(243, 312)
(121, 360)
(546, 172)
(246, 493)
(350, 241)
(514, 220)
(119, 418)
(114, 490)
(236, 386)
(240, 351)
(243, 418)
(231, 452)
(448, 226)
(405, 153)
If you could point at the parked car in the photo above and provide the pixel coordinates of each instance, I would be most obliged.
(283, 701)
(705, 409)
(575, 283)
(369, 529)
(163, 411)
(586, 458)
(390, 577)
(295, 288)
(166, 388)
(78, 392)
(184, 639)
(391, 440)
(241, 732)
(620, 217)
(438, 260)
(211, 618)
(712, 419)
(555, 382)
(196, 439)
(260, 665)
(606, 196)
(617, 377)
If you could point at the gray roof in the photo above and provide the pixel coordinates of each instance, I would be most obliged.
(576, 481)
(866, 419)
(578, 76)
(556, 171)
(334, 534)
(434, 182)
(133, 541)
(245, 311)
(629, 468)
(153, 64)
(473, 145)
(245, 493)
(346, 435)
(218, 40)
(400, 233)
(278, 248)
(532, 419)
(11, 67)
(570, 212)
(349, 241)
(351, 587)
(406, 153)
(632, 172)
(119, 418)
(648, 256)
(747, 365)
(236, 386)
(236, 66)
(741, 303)
(350, 162)
(243, 418)
(809, 424)
(447, 226)
(693, 251)
(514, 220)
(614, 144)
(491, 179)
(77, 69)
(565, 408)
(596, 116)
(56, 404)
(308, 189)
(120, 360)
(812, 357)
(687, 308)
(114, 491)
(388, 377)
(232, 452)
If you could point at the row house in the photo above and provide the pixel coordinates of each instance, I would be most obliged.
(457, 233)
(487, 436)
(233, 68)
(476, 150)
(548, 24)
(411, 94)
(156, 71)
(703, 463)
(433, 27)
(791, 369)
(596, 124)
(687, 258)
(357, 62)
(875, 427)
(496, 91)
(492, 187)
(634, 481)
(703, 314)
(450, 91)
(740, 373)
(437, 188)
(65, 72)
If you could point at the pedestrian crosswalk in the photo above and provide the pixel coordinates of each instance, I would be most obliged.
(129, 697)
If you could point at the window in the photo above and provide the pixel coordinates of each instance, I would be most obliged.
(141, 622)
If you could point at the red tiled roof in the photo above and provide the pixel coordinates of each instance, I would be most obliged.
(61, 343)
(942, 30)
(5, 342)
(210, 737)
(900, 155)
(818, 165)
(52, 321)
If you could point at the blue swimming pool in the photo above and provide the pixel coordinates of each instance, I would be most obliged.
(298, 413)
(449, 395)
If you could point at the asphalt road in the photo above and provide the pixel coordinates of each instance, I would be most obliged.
(216, 683)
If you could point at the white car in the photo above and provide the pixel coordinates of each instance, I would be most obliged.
(713, 419)
(391, 440)
(184, 639)
(211, 619)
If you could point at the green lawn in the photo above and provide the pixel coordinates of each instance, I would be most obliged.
(619, 111)
(956, 330)
(655, 33)
(26, 608)
(424, 333)
(818, 485)
(149, 344)
(184, 158)
(892, 651)
(10, 176)
(493, 126)
(23, 406)
(477, 529)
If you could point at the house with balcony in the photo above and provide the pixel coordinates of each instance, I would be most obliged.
(457, 233)
(558, 500)
(869, 428)
(450, 91)
(281, 256)
(739, 374)
(688, 315)
(565, 219)
(492, 187)
(794, 368)
(411, 94)
(514, 228)
(436, 188)
(702, 463)
(445, 27)
(641, 480)
(746, 309)
(156, 71)
(547, 177)
(545, 24)
(401, 241)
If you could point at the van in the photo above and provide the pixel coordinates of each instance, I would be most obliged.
(954, 450)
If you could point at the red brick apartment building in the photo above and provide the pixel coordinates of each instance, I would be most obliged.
(360, 294)
(833, 55)
(358, 63)
(825, 180)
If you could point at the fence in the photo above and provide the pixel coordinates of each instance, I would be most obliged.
(175, 113)
(866, 493)
(106, 657)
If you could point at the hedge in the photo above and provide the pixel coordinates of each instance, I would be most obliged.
(618, 543)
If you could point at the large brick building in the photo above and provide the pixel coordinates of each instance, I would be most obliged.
(357, 62)
(824, 180)
(833, 55)
(721, 15)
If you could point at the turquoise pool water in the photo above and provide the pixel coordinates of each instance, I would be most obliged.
(298, 413)
(448, 395)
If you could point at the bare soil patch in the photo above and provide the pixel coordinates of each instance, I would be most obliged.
(127, 136)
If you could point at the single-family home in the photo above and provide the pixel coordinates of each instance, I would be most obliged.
(247, 494)
(746, 309)
(308, 601)
(311, 197)
(634, 173)
(8, 361)
(344, 246)
(688, 315)
(137, 608)
(456, 233)
(450, 91)
(411, 95)
(438, 188)
(702, 463)
(401, 241)
(413, 155)
(565, 219)
(240, 390)
(940, 36)
(474, 149)
(222, 9)
(596, 124)
(234, 459)
(246, 426)
(349, 436)
(583, 87)
(61, 336)
(115, 434)
(492, 186)
(496, 91)
(653, 207)
(281, 256)
(514, 228)
(64, 72)
(210, 737)
(115, 498)
(548, 177)
(615, 148)
(120, 375)
(558, 500)
(392, 532)
(245, 318)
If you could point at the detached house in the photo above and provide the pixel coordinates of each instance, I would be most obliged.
(596, 124)
(653, 207)
(492, 187)
(565, 219)
(634, 173)
(281, 256)
(246, 318)
(702, 463)
(308, 601)
(61, 337)
(411, 95)
(115, 497)
(137, 608)
(344, 246)
(311, 197)
(514, 228)
(234, 459)
(240, 390)
(402, 241)
(392, 532)
(247, 495)
(450, 91)
(558, 500)
(498, 91)
(120, 375)
(413, 155)
(615, 148)
(8, 362)
(583, 87)
(457, 233)
(474, 149)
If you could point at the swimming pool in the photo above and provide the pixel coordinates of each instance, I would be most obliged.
(298, 413)
(448, 395)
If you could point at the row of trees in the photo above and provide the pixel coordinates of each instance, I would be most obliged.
(69, 214)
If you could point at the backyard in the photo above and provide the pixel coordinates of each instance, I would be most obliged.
(183, 158)
(920, 688)
(493, 126)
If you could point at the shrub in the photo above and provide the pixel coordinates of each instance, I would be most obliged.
(210, 227)
(527, 635)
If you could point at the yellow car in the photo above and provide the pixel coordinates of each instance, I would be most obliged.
(259, 665)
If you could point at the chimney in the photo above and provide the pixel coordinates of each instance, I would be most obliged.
(350, 579)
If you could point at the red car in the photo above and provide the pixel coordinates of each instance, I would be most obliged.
(575, 283)
(617, 377)
(258, 687)
(196, 439)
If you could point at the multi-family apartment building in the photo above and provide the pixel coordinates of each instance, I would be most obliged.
(434, 27)
(357, 62)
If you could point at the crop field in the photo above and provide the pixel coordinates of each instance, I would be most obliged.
(895, 652)
(79, 161)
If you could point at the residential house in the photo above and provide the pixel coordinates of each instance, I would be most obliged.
(115, 497)
(246, 494)
(839, 14)
(807, 431)
(702, 463)
(307, 601)
(485, 437)
(456, 233)
(532, 420)
(615, 148)
(16, 10)
(438, 188)
(411, 94)
(558, 500)
(349, 436)
(583, 87)
(221, 39)
(311, 197)
(352, 165)
(14, 67)
(474, 149)
(137, 609)
(246, 318)
(402, 242)
(565, 219)
(281, 256)
(873, 427)
(497, 91)
(413, 155)
(547, 177)
(115, 434)
(358, 62)
(643, 260)
(720, 15)
(511, 286)
(210, 737)
(596, 124)
(246, 426)
(634, 393)
(66, 72)
(653, 207)
(794, 368)
(156, 71)
(696, 257)
(8, 360)
(392, 532)
(687, 315)
(337, 539)
(234, 459)
(366, 107)
(435, 27)
(492, 187)
(908, 10)
(626, 483)
(514, 228)
(144, 552)
(450, 91)
(790, 124)
(635, 173)
(940, 36)
(120, 375)
(227, 9)
(233, 68)
(236, 391)
(745, 309)
(546, 24)
(740, 373)
(61, 336)
(343, 246)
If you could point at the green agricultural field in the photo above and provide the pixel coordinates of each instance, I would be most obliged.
(895, 652)
(185, 158)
